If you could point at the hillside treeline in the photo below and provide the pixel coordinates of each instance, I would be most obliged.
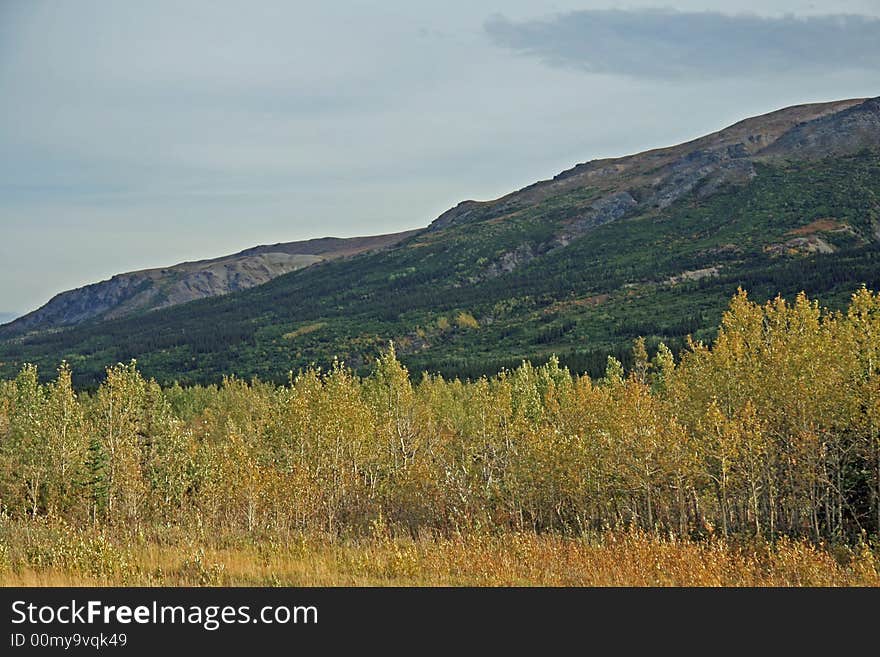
(773, 430)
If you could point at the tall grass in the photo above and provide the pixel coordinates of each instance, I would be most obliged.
(37, 554)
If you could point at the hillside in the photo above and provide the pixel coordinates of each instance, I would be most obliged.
(151, 289)
(650, 245)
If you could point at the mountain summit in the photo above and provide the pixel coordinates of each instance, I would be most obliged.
(579, 265)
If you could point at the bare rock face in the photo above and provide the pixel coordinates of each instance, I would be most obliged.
(849, 131)
(521, 255)
(609, 208)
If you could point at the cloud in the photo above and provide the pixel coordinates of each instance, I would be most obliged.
(667, 44)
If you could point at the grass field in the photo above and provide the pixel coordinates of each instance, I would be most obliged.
(40, 556)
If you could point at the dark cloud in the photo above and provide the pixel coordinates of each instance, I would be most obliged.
(659, 43)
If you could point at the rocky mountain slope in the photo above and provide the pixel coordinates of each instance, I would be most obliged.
(651, 245)
(655, 179)
(151, 289)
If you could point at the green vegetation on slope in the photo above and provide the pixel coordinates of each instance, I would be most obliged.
(663, 275)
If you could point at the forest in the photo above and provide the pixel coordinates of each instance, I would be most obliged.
(753, 459)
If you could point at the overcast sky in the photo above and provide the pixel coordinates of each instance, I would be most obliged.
(135, 135)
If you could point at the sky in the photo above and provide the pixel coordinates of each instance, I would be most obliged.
(137, 135)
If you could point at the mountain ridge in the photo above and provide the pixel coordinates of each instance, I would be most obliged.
(650, 244)
(741, 133)
(163, 287)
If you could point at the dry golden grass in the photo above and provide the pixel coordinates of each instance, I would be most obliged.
(818, 226)
(611, 559)
(304, 330)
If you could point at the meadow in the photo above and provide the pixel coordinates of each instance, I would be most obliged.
(61, 557)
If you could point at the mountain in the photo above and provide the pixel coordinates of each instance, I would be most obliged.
(151, 289)
(7, 317)
(579, 265)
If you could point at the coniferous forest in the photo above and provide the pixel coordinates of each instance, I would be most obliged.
(754, 459)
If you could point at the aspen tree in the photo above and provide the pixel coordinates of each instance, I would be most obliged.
(27, 445)
(121, 427)
(65, 441)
